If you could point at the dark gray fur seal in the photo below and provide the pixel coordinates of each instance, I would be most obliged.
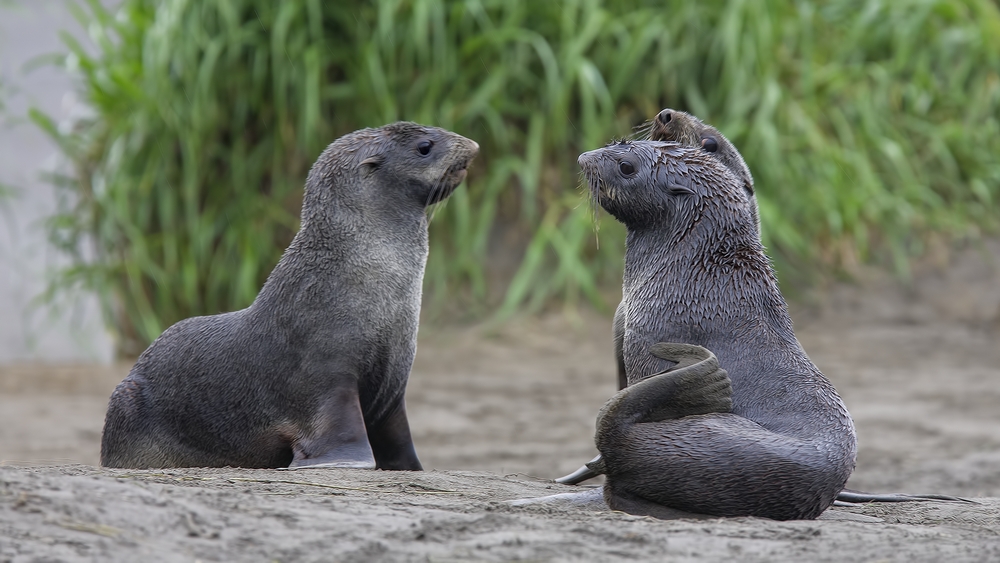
(314, 371)
(685, 129)
(696, 272)
(688, 130)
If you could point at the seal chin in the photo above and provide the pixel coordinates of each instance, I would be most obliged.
(451, 180)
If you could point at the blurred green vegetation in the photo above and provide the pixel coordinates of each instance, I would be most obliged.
(868, 125)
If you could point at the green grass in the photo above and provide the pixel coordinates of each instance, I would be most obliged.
(869, 126)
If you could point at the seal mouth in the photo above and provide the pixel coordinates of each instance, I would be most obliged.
(600, 192)
(451, 179)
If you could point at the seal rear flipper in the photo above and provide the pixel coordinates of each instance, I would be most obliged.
(693, 387)
(592, 469)
(847, 497)
(337, 436)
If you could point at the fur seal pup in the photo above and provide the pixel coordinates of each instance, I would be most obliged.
(696, 272)
(685, 129)
(314, 371)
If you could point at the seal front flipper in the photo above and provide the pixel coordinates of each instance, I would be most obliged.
(336, 436)
(392, 444)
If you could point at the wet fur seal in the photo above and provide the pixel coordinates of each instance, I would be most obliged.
(688, 130)
(696, 273)
(685, 129)
(314, 371)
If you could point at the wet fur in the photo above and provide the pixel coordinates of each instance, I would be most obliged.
(315, 370)
(696, 272)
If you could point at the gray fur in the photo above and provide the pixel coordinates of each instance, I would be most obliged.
(315, 370)
(696, 272)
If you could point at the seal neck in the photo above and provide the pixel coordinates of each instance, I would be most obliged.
(376, 250)
(701, 284)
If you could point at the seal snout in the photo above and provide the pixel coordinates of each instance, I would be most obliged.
(588, 162)
(467, 151)
(664, 116)
(588, 159)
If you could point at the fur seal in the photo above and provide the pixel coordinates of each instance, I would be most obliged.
(685, 129)
(688, 130)
(696, 273)
(314, 371)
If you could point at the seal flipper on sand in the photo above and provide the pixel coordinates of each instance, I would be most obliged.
(847, 497)
(338, 437)
(392, 444)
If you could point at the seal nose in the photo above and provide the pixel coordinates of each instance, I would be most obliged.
(664, 116)
(588, 161)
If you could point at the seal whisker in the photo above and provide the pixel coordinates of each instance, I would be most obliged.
(642, 130)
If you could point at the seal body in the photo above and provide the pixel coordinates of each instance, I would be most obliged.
(687, 130)
(314, 371)
(696, 273)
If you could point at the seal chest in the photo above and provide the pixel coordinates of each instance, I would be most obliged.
(743, 423)
(314, 371)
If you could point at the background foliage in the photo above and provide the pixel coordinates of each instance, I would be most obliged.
(868, 125)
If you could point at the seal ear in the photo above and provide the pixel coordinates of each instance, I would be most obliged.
(371, 164)
(677, 189)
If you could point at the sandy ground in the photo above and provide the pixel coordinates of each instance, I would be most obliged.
(496, 413)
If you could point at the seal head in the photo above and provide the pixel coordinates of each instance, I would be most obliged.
(686, 129)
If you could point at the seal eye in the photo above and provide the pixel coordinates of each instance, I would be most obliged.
(626, 168)
(710, 144)
(424, 147)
